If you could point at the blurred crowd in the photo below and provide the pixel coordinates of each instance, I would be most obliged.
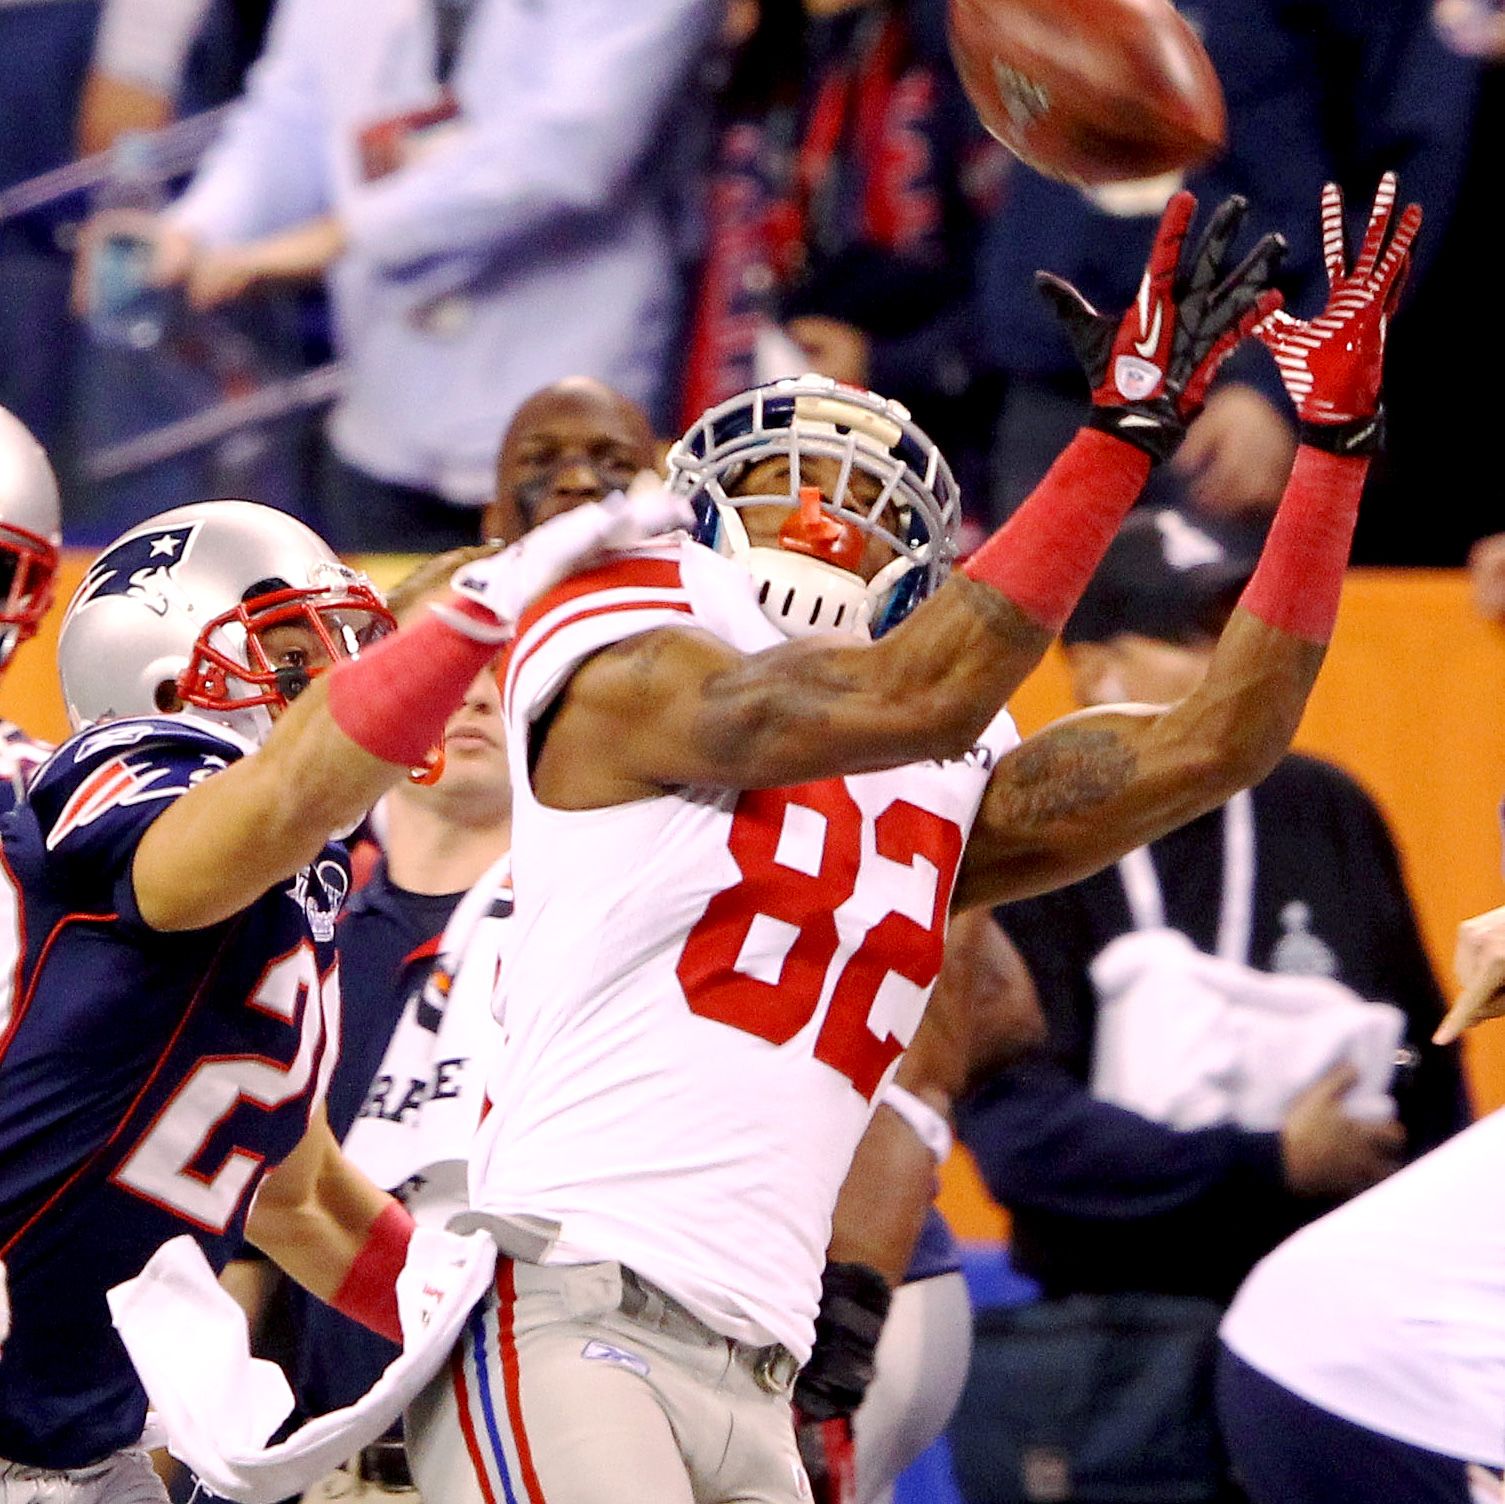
(330, 254)
(334, 294)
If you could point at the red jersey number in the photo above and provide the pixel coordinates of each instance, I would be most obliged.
(799, 851)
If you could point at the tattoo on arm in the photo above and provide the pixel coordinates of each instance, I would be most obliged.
(999, 616)
(1068, 771)
(741, 704)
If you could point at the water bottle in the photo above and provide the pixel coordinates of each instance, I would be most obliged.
(126, 311)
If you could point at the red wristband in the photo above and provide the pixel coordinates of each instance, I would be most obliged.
(394, 700)
(1298, 580)
(1043, 556)
(368, 1293)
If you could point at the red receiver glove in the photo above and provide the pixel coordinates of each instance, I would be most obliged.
(1331, 365)
(1149, 368)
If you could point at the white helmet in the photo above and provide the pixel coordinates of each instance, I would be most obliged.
(173, 611)
(809, 582)
(29, 534)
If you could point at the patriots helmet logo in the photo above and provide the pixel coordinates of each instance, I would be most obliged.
(141, 566)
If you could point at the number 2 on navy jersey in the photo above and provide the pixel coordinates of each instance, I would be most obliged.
(162, 1166)
(819, 826)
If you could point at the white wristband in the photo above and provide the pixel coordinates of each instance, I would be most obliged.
(929, 1126)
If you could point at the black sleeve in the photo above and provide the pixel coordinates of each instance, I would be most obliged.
(1042, 1142)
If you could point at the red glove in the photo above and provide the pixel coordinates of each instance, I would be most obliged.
(829, 1456)
(1331, 365)
(1149, 368)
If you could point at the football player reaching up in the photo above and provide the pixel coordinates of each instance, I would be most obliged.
(169, 1009)
(570, 444)
(776, 820)
(29, 537)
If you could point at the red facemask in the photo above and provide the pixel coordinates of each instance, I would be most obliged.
(206, 680)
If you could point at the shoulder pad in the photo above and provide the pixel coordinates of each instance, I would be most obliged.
(632, 593)
(138, 741)
(642, 571)
(86, 748)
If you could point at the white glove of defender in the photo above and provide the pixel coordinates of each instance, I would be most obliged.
(508, 582)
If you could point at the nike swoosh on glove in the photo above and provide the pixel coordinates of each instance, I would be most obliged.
(1149, 367)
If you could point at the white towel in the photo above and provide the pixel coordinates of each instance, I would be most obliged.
(218, 1405)
(433, 1139)
(1191, 1040)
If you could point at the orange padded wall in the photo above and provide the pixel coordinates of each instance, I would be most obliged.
(1411, 700)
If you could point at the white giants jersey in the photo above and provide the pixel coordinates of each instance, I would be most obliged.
(706, 990)
(1390, 1311)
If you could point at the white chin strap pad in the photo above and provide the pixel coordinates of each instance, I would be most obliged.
(802, 596)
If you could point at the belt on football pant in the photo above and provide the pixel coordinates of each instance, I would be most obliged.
(773, 1366)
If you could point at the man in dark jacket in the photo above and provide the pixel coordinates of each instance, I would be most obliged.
(1298, 877)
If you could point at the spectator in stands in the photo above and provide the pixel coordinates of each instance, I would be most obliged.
(575, 441)
(1138, 1231)
(848, 180)
(157, 64)
(1436, 332)
(156, 60)
(405, 1095)
(486, 187)
(1339, 89)
(44, 55)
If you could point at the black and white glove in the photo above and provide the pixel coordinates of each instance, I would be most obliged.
(1149, 367)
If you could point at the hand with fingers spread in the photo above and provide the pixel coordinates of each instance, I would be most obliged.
(1150, 367)
(1331, 365)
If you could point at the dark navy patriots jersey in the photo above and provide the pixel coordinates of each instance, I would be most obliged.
(146, 1079)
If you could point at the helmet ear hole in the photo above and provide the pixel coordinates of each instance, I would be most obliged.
(166, 697)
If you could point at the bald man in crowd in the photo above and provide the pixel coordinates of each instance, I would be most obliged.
(572, 442)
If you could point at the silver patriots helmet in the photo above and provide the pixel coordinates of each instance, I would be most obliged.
(809, 582)
(29, 534)
(173, 614)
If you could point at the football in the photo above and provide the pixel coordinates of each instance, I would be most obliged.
(1090, 91)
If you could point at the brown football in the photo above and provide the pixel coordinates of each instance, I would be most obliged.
(1090, 91)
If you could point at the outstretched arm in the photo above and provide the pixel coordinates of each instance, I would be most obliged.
(1082, 793)
(1086, 790)
(675, 707)
(355, 731)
